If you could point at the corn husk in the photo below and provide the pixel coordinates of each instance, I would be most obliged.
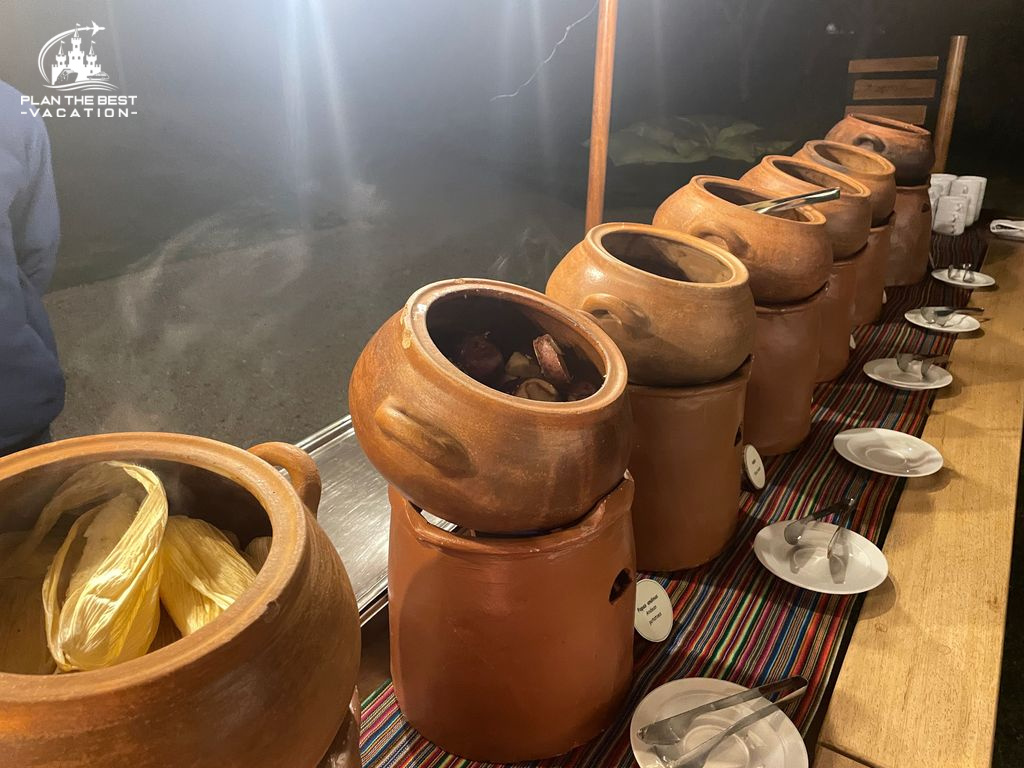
(203, 574)
(22, 621)
(257, 551)
(100, 595)
(89, 486)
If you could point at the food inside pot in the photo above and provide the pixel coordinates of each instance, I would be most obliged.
(514, 349)
(111, 569)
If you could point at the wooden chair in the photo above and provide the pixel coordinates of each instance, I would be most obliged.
(911, 95)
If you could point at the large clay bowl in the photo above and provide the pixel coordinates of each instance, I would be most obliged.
(509, 649)
(686, 463)
(474, 455)
(788, 256)
(678, 307)
(867, 305)
(911, 239)
(908, 147)
(216, 698)
(866, 166)
(837, 317)
(847, 220)
(777, 414)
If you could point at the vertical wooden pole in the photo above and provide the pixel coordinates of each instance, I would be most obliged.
(947, 103)
(604, 68)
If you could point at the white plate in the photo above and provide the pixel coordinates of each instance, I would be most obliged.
(888, 452)
(958, 323)
(887, 371)
(981, 280)
(773, 742)
(807, 566)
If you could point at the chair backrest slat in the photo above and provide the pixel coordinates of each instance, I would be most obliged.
(919, 88)
(904, 64)
(908, 113)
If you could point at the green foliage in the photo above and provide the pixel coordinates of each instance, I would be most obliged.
(692, 139)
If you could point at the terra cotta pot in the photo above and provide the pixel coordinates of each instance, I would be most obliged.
(911, 239)
(215, 698)
(474, 455)
(837, 317)
(787, 255)
(866, 166)
(908, 147)
(847, 220)
(777, 414)
(678, 307)
(686, 463)
(874, 264)
(509, 649)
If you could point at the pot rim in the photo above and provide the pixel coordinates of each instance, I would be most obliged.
(889, 122)
(533, 545)
(859, 191)
(886, 165)
(912, 187)
(740, 376)
(809, 216)
(740, 274)
(792, 307)
(269, 487)
(414, 321)
(887, 223)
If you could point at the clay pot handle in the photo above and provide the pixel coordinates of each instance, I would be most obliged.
(301, 469)
(869, 141)
(428, 442)
(722, 236)
(630, 317)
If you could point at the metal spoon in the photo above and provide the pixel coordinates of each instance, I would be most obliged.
(795, 530)
(968, 273)
(905, 359)
(793, 201)
(942, 315)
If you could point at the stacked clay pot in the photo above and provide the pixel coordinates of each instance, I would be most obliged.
(847, 223)
(879, 175)
(909, 148)
(485, 662)
(789, 257)
(681, 311)
(292, 636)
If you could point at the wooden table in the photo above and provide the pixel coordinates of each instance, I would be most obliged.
(920, 680)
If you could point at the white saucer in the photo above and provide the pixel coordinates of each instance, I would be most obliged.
(958, 323)
(888, 452)
(773, 742)
(887, 371)
(807, 566)
(981, 280)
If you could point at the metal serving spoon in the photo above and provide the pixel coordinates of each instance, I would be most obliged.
(795, 530)
(793, 201)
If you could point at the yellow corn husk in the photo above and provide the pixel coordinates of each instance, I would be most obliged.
(257, 551)
(101, 595)
(23, 647)
(89, 486)
(203, 574)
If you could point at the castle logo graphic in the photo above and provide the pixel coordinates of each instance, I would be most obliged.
(69, 67)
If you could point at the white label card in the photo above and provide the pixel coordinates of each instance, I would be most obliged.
(653, 618)
(753, 467)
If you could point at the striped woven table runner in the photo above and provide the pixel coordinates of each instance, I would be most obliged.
(733, 619)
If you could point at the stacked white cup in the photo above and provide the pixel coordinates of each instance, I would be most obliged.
(956, 201)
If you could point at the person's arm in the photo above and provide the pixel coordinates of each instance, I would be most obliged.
(35, 218)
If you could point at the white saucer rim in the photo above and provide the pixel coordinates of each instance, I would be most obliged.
(940, 274)
(853, 460)
(924, 386)
(920, 322)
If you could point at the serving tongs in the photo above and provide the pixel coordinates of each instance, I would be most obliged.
(792, 532)
(780, 204)
(904, 361)
(672, 729)
(942, 315)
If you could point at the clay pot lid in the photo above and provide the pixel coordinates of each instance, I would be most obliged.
(268, 486)
(881, 169)
(849, 187)
(739, 273)
(793, 307)
(804, 216)
(890, 122)
(611, 363)
(733, 380)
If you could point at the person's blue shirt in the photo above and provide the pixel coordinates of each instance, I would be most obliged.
(31, 381)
